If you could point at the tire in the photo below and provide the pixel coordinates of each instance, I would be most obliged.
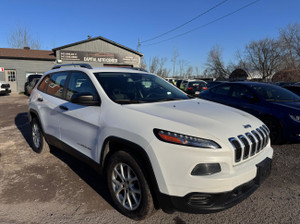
(39, 144)
(128, 186)
(276, 132)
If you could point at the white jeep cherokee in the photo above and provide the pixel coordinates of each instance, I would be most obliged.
(157, 147)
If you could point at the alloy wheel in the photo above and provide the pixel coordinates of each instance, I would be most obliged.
(36, 135)
(126, 186)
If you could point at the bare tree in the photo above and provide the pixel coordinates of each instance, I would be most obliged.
(174, 60)
(197, 71)
(165, 72)
(143, 63)
(290, 46)
(162, 71)
(264, 56)
(189, 72)
(182, 64)
(215, 65)
(157, 66)
(21, 38)
(153, 65)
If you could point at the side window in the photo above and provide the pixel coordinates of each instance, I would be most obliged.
(44, 83)
(221, 90)
(53, 84)
(56, 84)
(239, 92)
(80, 83)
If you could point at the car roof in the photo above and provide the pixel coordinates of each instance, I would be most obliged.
(197, 81)
(96, 69)
(34, 75)
(116, 69)
(249, 83)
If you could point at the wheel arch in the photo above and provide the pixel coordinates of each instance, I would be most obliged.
(277, 133)
(34, 114)
(263, 117)
(114, 144)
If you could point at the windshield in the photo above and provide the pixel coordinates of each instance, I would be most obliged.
(126, 88)
(275, 93)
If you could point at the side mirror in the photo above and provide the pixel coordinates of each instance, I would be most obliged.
(85, 99)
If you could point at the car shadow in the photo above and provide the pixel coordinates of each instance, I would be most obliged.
(22, 123)
(85, 172)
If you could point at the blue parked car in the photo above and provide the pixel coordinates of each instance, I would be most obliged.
(277, 107)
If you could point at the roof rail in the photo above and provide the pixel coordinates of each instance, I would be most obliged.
(83, 65)
(137, 68)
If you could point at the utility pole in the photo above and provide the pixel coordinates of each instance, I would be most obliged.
(139, 45)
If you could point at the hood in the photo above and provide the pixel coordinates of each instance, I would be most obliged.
(199, 117)
(295, 105)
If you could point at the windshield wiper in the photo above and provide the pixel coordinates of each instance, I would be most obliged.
(128, 101)
(169, 99)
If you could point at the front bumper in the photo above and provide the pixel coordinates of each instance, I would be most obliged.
(207, 203)
(5, 91)
(174, 165)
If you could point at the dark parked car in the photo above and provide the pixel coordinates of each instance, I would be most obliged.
(277, 107)
(178, 82)
(195, 87)
(29, 79)
(214, 83)
(31, 85)
(294, 88)
(183, 85)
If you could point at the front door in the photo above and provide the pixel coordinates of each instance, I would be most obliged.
(11, 78)
(79, 124)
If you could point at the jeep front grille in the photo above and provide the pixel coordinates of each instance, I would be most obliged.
(250, 143)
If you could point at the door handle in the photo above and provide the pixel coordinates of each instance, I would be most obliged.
(40, 99)
(63, 107)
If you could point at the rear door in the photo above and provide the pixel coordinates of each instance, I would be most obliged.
(48, 100)
(219, 94)
(243, 98)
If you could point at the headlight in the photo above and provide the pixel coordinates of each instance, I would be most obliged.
(180, 139)
(295, 118)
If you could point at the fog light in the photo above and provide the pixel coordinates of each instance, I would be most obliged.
(206, 169)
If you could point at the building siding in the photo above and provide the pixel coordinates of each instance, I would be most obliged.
(97, 52)
(22, 67)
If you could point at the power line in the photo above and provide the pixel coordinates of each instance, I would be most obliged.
(176, 28)
(204, 25)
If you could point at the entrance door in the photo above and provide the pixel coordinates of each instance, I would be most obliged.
(11, 78)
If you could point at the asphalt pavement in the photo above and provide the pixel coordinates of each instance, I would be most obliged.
(57, 188)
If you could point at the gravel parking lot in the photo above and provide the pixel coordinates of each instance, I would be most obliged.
(57, 188)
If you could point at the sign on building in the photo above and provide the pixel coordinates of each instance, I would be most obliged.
(105, 58)
(108, 58)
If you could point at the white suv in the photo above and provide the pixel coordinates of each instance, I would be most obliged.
(157, 147)
(4, 88)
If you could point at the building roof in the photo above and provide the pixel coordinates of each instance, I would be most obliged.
(27, 54)
(98, 38)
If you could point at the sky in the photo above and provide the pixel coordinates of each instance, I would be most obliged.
(230, 24)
